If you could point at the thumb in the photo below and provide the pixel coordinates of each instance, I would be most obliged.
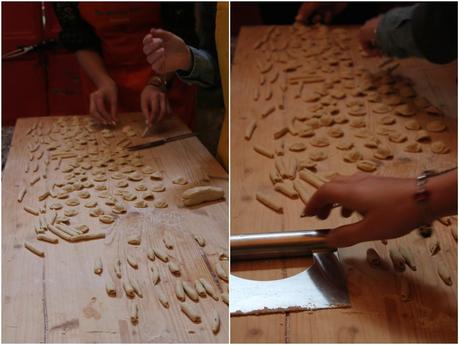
(159, 33)
(348, 235)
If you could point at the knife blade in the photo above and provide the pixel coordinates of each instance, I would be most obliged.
(160, 142)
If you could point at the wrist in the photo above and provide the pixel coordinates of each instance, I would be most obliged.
(187, 61)
(443, 198)
(105, 81)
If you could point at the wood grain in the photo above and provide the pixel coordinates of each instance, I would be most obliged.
(60, 299)
(377, 313)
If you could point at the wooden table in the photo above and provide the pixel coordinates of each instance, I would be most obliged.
(59, 298)
(377, 313)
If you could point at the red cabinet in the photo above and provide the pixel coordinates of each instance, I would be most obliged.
(41, 83)
(23, 79)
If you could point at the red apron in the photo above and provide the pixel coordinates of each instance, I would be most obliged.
(121, 27)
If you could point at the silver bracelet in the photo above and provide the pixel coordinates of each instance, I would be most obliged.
(421, 197)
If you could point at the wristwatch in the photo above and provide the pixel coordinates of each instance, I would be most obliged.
(159, 82)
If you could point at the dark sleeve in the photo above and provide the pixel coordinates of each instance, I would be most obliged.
(425, 30)
(76, 33)
(195, 24)
(435, 31)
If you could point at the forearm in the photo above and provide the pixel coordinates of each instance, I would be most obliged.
(443, 194)
(394, 33)
(93, 65)
(203, 69)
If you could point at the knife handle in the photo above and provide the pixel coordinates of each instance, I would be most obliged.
(278, 244)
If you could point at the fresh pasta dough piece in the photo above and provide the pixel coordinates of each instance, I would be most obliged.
(157, 175)
(408, 256)
(382, 109)
(397, 259)
(200, 288)
(320, 141)
(422, 135)
(160, 203)
(340, 119)
(250, 129)
(134, 239)
(141, 188)
(199, 195)
(190, 311)
(98, 266)
(190, 291)
(140, 204)
(405, 110)
(286, 189)
(436, 126)
(155, 278)
(366, 165)
(161, 255)
(221, 273)
(180, 181)
(70, 213)
(179, 290)
(373, 258)
(439, 147)
(34, 249)
(387, 120)
(344, 145)
(134, 312)
(106, 218)
(173, 268)
(353, 156)
(158, 187)
(200, 240)
(215, 322)
(335, 132)
(297, 147)
(383, 152)
(269, 202)
(413, 125)
(413, 148)
(372, 142)
(132, 261)
(326, 121)
(128, 289)
(444, 274)
(209, 288)
(263, 151)
(397, 137)
(318, 155)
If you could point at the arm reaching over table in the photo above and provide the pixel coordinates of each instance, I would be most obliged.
(388, 205)
(426, 30)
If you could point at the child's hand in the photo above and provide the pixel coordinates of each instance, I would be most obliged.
(387, 205)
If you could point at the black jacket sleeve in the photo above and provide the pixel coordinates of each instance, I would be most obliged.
(76, 33)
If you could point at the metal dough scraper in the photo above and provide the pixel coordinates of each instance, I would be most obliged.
(321, 286)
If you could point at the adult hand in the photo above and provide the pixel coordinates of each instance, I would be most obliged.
(319, 12)
(154, 104)
(103, 102)
(367, 36)
(386, 204)
(166, 52)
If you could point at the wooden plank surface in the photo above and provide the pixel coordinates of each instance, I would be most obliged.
(377, 313)
(58, 298)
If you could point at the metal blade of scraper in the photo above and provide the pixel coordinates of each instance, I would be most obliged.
(321, 286)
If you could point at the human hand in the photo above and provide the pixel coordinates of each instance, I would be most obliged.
(319, 12)
(386, 204)
(154, 104)
(367, 36)
(103, 102)
(166, 52)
